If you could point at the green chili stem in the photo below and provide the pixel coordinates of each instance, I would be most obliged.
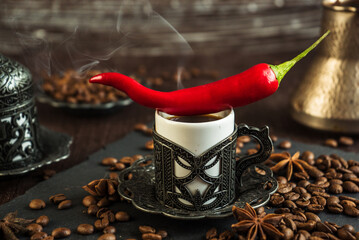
(281, 69)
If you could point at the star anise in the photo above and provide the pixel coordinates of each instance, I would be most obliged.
(249, 222)
(10, 225)
(293, 163)
(102, 187)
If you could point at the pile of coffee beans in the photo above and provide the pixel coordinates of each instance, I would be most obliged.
(74, 87)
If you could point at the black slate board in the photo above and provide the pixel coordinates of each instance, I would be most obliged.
(70, 182)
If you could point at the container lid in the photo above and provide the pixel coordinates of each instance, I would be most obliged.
(14, 77)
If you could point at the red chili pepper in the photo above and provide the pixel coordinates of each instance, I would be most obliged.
(258, 82)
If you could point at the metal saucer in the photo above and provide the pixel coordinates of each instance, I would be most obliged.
(255, 188)
(54, 147)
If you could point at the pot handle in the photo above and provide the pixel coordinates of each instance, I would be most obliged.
(266, 146)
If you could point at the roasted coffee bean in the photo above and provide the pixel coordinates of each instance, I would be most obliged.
(333, 205)
(301, 176)
(306, 196)
(100, 224)
(292, 196)
(346, 141)
(348, 202)
(49, 238)
(276, 199)
(122, 216)
(336, 181)
(318, 200)
(244, 139)
(314, 188)
(151, 236)
(274, 138)
(322, 227)
(289, 223)
(302, 203)
(92, 209)
(354, 169)
(127, 160)
(85, 229)
(107, 236)
(226, 235)
(303, 183)
(330, 142)
(109, 161)
(43, 220)
(308, 156)
(164, 234)
(319, 236)
(113, 175)
(348, 176)
(336, 164)
(149, 229)
(344, 234)
(289, 204)
(56, 199)
(307, 226)
(34, 228)
(109, 215)
(316, 208)
(299, 190)
(351, 210)
(351, 187)
(89, 200)
(109, 229)
(114, 198)
(314, 172)
(300, 217)
(103, 202)
(118, 167)
(102, 211)
(352, 162)
(48, 173)
(284, 188)
(61, 232)
(282, 210)
(332, 200)
(65, 204)
(38, 236)
(312, 216)
(149, 145)
(37, 204)
(285, 144)
(288, 233)
(356, 201)
(321, 194)
(251, 151)
(282, 180)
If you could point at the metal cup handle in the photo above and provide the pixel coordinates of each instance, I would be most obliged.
(266, 146)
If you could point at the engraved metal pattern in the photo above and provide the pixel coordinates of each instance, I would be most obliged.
(254, 189)
(54, 147)
(171, 189)
(19, 142)
(13, 77)
(327, 97)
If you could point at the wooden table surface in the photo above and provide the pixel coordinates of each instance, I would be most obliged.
(90, 133)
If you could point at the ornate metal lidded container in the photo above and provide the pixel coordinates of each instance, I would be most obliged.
(19, 140)
(328, 97)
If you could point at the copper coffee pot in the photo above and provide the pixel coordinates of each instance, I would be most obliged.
(328, 96)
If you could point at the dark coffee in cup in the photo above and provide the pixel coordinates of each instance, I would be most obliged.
(195, 119)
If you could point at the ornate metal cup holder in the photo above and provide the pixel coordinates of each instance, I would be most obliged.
(53, 146)
(256, 186)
